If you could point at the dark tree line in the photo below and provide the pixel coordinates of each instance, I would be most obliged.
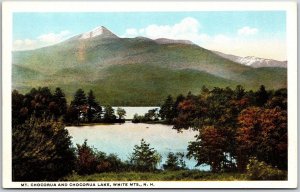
(151, 116)
(41, 103)
(41, 146)
(233, 125)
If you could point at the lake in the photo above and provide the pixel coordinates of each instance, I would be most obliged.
(130, 111)
(121, 138)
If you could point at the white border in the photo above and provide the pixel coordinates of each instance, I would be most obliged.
(128, 6)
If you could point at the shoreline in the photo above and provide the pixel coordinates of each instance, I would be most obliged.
(126, 121)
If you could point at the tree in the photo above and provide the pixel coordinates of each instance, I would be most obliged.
(40, 102)
(262, 134)
(218, 108)
(79, 105)
(179, 99)
(109, 114)
(174, 162)
(86, 159)
(79, 98)
(94, 109)
(208, 148)
(121, 112)
(239, 92)
(19, 113)
(144, 158)
(188, 113)
(90, 161)
(41, 150)
(151, 115)
(166, 110)
(137, 118)
(278, 99)
(58, 106)
(261, 96)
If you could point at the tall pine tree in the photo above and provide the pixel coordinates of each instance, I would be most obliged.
(94, 109)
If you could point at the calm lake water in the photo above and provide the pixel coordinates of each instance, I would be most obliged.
(130, 111)
(121, 138)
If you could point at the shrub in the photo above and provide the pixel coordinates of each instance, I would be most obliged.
(259, 170)
(174, 162)
(91, 161)
(41, 150)
(86, 159)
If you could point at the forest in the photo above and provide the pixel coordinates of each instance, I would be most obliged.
(239, 132)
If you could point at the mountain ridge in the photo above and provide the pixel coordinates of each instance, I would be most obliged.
(133, 71)
(253, 61)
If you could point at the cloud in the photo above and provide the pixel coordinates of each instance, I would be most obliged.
(187, 28)
(237, 44)
(24, 44)
(131, 32)
(245, 31)
(41, 41)
(266, 48)
(53, 37)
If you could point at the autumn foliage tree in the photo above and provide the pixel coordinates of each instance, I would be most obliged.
(247, 124)
(208, 148)
(90, 161)
(263, 134)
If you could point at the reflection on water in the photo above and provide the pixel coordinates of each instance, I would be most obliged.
(121, 138)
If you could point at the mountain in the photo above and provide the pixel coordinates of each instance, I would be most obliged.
(98, 31)
(252, 61)
(172, 41)
(133, 71)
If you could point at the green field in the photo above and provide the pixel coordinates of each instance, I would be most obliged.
(184, 175)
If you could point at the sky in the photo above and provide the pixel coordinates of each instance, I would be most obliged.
(242, 33)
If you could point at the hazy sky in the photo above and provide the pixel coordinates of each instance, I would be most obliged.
(245, 33)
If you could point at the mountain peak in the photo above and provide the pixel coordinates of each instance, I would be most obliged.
(98, 31)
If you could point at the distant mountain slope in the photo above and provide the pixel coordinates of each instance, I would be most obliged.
(132, 71)
(172, 41)
(252, 61)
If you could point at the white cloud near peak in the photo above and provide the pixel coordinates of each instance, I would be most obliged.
(41, 41)
(190, 29)
(53, 37)
(187, 28)
(245, 31)
(132, 31)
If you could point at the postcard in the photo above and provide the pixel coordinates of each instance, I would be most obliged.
(148, 94)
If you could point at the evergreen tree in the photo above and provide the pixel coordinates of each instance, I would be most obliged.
(261, 96)
(59, 104)
(166, 110)
(94, 109)
(79, 98)
(109, 114)
(79, 105)
(174, 162)
(144, 158)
